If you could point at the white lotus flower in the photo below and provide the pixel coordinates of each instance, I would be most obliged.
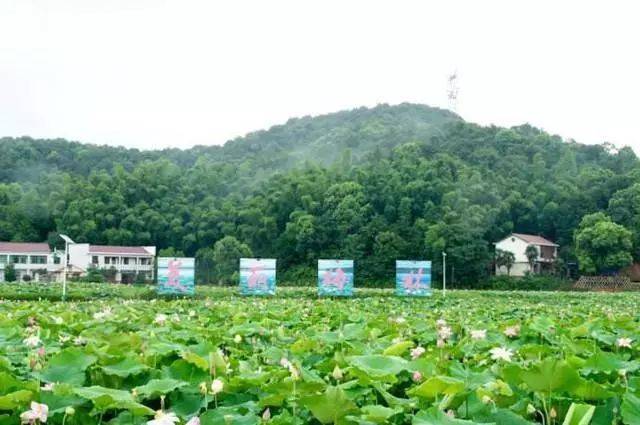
(284, 362)
(32, 341)
(194, 421)
(38, 412)
(501, 353)
(217, 386)
(478, 334)
(624, 342)
(47, 387)
(160, 319)
(237, 339)
(441, 322)
(445, 332)
(57, 320)
(164, 418)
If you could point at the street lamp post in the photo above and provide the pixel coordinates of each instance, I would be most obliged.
(67, 240)
(444, 274)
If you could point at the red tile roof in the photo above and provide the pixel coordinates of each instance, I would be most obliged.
(534, 240)
(25, 248)
(118, 250)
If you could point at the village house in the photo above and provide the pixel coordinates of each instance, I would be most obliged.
(31, 261)
(517, 244)
(124, 262)
(37, 262)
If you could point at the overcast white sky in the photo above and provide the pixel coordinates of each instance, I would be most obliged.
(156, 73)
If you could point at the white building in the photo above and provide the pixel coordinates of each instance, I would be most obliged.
(124, 261)
(517, 243)
(32, 261)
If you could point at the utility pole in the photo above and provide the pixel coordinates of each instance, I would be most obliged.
(67, 240)
(444, 274)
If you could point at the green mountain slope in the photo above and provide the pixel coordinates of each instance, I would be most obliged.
(376, 184)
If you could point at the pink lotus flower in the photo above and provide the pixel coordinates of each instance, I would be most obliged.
(417, 352)
(194, 421)
(417, 376)
(512, 331)
(38, 412)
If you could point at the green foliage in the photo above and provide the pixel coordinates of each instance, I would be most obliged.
(530, 282)
(10, 273)
(531, 252)
(226, 257)
(602, 245)
(94, 275)
(308, 360)
(373, 185)
(505, 259)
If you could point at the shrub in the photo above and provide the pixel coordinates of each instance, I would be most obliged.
(530, 282)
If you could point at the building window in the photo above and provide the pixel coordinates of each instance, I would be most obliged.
(107, 260)
(145, 261)
(125, 260)
(18, 259)
(56, 260)
(3, 259)
(38, 259)
(94, 259)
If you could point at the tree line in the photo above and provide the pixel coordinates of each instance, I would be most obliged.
(373, 185)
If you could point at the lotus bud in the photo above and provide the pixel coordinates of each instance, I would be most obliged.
(237, 339)
(266, 415)
(337, 373)
(531, 409)
(553, 413)
(486, 399)
(203, 388)
(69, 411)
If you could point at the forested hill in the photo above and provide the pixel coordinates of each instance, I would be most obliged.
(320, 140)
(374, 185)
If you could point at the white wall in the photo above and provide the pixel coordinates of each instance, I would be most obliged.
(79, 255)
(518, 247)
(515, 245)
(518, 270)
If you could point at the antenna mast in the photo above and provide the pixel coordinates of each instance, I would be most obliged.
(452, 91)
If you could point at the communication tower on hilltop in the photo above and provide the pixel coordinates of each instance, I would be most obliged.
(452, 91)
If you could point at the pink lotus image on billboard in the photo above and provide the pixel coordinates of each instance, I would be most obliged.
(335, 277)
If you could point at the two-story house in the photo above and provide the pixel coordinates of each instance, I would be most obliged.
(126, 262)
(517, 244)
(31, 261)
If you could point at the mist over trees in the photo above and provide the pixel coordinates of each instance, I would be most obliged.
(373, 185)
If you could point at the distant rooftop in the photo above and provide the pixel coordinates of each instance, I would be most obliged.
(534, 239)
(118, 250)
(24, 248)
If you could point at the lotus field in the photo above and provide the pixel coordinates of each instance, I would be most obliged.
(122, 357)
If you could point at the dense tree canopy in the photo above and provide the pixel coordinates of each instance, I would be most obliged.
(601, 245)
(374, 185)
